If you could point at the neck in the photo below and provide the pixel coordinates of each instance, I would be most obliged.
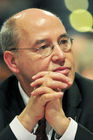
(26, 86)
(27, 89)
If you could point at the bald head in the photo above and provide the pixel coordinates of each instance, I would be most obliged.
(33, 17)
(24, 23)
(33, 12)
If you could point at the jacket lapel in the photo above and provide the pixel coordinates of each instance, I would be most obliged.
(13, 103)
(71, 102)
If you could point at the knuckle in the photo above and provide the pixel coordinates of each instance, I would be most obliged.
(43, 99)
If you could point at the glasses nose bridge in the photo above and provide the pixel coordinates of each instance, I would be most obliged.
(58, 55)
(57, 50)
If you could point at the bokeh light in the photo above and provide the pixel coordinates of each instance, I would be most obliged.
(81, 20)
(76, 4)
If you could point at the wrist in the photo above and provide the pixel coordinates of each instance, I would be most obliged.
(61, 126)
(27, 122)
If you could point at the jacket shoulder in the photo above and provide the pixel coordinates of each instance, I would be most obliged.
(8, 83)
(6, 89)
(85, 85)
(80, 80)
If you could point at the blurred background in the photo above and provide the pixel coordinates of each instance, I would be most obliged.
(77, 18)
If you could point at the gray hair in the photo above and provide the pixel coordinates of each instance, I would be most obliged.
(9, 35)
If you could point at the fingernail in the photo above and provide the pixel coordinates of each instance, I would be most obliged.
(65, 85)
(32, 84)
(33, 77)
(67, 79)
(60, 94)
(70, 82)
(32, 93)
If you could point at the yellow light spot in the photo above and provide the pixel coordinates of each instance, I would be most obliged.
(76, 4)
(81, 20)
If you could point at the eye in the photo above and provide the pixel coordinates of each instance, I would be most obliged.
(40, 48)
(63, 41)
(43, 47)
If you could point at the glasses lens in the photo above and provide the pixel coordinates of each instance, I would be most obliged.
(44, 52)
(65, 44)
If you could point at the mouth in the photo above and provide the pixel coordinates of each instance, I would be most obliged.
(63, 70)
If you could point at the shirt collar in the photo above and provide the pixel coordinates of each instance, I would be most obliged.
(25, 97)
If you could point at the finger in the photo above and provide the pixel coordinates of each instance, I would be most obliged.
(49, 83)
(59, 77)
(53, 75)
(37, 82)
(56, 84)
(50, 97)
(41, 90)
(39, 75)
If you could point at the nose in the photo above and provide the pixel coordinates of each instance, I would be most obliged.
(58, 56)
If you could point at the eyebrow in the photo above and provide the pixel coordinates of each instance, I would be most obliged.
(45, 40)
(40, 41)
(63, 35)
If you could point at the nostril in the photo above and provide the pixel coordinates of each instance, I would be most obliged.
(58, 59)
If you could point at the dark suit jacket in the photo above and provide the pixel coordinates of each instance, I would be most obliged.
(77, 103)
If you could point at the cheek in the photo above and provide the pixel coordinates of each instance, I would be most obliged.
(71, 59)
(29, 66)
(71, 62)
(33, 65)
(24, 64)
(42, 65)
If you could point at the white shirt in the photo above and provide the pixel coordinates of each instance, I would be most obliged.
(23, 134)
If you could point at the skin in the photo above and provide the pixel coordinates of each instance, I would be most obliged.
(36, 74)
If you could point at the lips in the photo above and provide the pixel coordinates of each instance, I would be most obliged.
(63, 70)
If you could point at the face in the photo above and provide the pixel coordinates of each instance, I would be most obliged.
(40, 32)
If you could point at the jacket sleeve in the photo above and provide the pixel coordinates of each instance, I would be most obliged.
(83, 133)
(5, 130)
(7, 134)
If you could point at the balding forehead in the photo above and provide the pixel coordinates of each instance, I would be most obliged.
(34, 16)
(32, 12)
(32, 20)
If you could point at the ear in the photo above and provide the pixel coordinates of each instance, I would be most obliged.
(9, 59)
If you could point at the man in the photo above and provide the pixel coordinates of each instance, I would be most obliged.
(38, 50)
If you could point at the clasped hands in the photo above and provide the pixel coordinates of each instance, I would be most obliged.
(46, 101)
